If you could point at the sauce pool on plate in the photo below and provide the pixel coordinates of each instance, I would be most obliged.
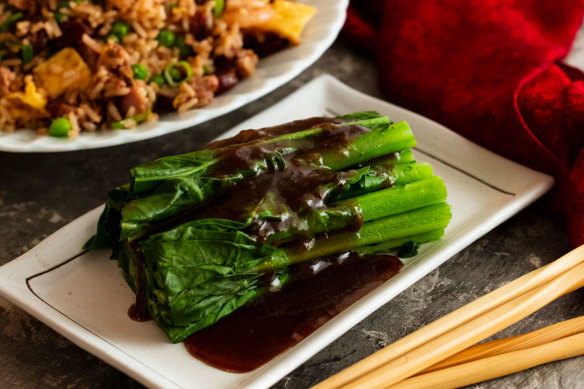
(256, 333)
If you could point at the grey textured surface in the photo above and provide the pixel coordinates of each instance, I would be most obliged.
(41, 192)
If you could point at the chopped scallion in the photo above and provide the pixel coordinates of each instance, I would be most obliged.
(27, 53)
(178, 72)
(10, 22)
(137, 118)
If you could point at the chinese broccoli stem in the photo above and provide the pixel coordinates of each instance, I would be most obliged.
(171, 185)
(374, 144)
(407, 224)
(392, 244)
(376, 205)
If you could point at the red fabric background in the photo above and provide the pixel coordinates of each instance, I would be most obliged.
(490, 70)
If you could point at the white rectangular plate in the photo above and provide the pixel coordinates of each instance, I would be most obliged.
(83, 295)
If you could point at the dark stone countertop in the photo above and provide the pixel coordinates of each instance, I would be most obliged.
(40, 193)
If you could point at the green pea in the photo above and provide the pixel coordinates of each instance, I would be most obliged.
(166, 38)
(120, 29)
(185, 50)
(158, 80)
(140, 71)
(27, 53)
(60, 128)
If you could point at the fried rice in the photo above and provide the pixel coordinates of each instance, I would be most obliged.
(105, 64)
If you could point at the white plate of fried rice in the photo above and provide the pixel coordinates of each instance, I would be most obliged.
(96, 73)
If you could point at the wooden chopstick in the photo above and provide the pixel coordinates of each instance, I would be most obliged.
(469, 333)
(496, 366)
(515, 343)
(465, 326)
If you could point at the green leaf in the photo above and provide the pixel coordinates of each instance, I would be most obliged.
(201, 271)
(108, 226)
(408, 249)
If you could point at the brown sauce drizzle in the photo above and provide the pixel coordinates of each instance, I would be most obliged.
(301, 186)
(246, 136)
(256, 333)
(296, 190)
(242, 156)
(242, 151)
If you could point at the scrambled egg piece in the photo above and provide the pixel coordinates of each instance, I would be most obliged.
(27, 104)
(289, 19)
(64, 71)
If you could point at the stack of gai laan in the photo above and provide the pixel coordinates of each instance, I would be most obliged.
(199, 235)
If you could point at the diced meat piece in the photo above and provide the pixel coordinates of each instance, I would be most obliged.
(226, 71)
(32, 17)
(89, 55)
(132, 99)
(205, 88)
(58, 109)
(73, 31)
(226, 81)
(195, 93)
(264, 44)
(223, 64)
(201, 25)
(164, 104)
(245, 62)
(39, 40)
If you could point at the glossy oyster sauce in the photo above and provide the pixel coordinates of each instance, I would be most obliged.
(256, 333)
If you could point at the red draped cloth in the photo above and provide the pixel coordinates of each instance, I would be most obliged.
(490, 70)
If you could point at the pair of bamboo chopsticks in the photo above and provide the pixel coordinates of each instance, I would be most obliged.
(395, 365)
(501, 357)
